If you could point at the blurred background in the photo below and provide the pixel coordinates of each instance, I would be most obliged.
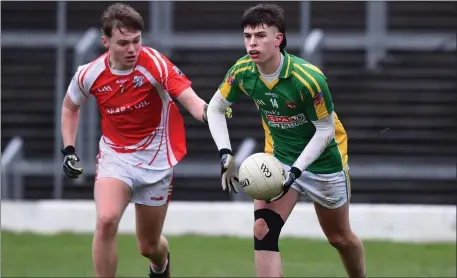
(391, 68)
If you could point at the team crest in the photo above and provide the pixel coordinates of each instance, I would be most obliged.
(290, 104)
(318, 98)
(138, 81)
(230, 80)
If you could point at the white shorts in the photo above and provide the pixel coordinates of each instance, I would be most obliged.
(329, 190)
(149, 187)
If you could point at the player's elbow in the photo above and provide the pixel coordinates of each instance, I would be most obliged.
(69, 105)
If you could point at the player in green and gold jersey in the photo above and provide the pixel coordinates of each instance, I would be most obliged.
(302, 130)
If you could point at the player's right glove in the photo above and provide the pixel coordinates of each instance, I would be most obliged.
(69, 161)
(293, 174)
(229, 177)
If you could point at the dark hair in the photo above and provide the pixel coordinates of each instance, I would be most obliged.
(120, 16)
(265, 14)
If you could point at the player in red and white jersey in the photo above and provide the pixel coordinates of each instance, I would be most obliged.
(143, 136)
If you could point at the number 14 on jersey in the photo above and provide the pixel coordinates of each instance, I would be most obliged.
(274, 102)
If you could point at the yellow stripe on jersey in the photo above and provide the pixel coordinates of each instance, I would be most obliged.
(302, 80)
(271, 84)
(321, 108)
(310, 77)
(269, 144)
(288, 64)
(341, 140)
(240, 70)
(243, 61)
(314, 68)
(226, 87)
(243, 89)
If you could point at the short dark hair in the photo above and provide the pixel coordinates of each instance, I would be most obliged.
(266, 14)
(120, 16)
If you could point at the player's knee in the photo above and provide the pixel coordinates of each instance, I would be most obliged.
(260, 228)
(107, 225)
(267, 228)
(151, 246)
(148, 248)
(341, 240)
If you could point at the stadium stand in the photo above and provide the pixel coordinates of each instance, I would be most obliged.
(404, 111)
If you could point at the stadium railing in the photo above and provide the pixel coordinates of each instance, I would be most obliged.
(375, 40)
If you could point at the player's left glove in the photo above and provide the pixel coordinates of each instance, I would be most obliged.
(228, 113)
(293, 174)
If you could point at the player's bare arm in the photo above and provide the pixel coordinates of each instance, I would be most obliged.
(69, 121)
(193, 103)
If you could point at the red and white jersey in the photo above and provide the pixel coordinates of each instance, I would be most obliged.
(140, 123)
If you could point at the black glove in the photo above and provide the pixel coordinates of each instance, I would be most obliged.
(69, 161)
(293, 174)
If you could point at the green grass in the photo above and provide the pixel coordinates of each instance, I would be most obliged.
(65, 255)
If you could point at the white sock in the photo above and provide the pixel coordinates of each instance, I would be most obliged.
(158, 269)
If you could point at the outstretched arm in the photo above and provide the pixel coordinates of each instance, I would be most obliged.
(193, 103)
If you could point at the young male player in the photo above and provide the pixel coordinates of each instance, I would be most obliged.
(301, 130)
(143, 136)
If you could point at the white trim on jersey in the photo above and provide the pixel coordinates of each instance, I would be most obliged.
(83, 79)
(156, 62)
(166, 102)
(163, 62)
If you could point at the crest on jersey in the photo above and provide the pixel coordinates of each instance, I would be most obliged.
(318, 98)
(230, 80)
(138, 81)
(177, 70)
(290, 104)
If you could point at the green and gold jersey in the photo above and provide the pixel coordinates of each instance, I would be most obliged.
(287, 106)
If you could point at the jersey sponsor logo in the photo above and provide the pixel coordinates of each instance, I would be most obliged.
(270, 112)
(177, 70)
(259, 102)
(138, 81)
(272, 94)
(122, 109)
(121, 81)
(285, 122)
(318, 98)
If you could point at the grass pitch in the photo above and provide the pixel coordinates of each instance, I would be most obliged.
(69, 255)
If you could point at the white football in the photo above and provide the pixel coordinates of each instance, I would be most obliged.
(261, 176)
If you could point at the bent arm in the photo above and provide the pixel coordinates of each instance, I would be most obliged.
(325, 132)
